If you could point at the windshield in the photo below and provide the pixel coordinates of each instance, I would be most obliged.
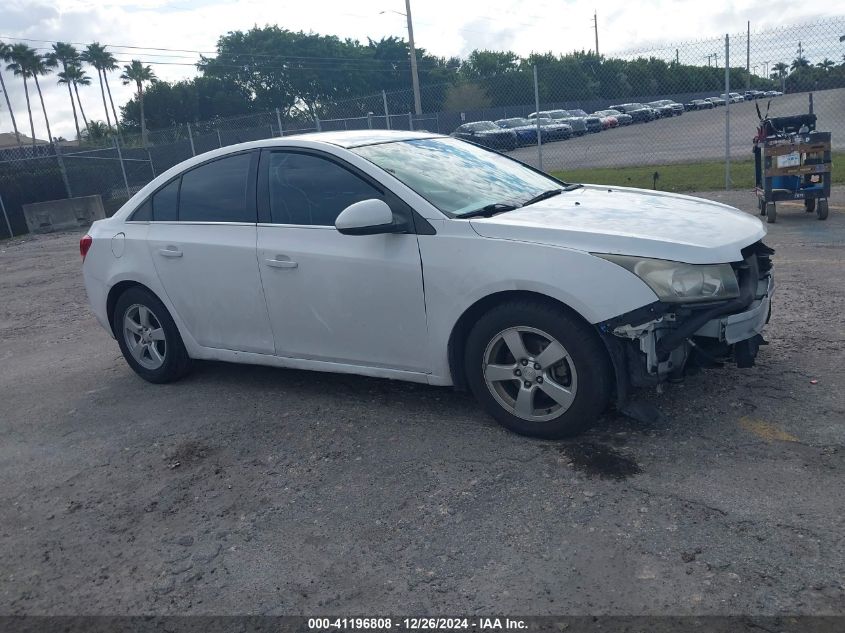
(457, 177)
(578, 113)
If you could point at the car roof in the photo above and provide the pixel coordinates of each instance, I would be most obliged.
(358, 138)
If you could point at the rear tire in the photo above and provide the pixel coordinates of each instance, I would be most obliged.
(538, 369)
(821, 209)
(810, 205)
(148, 337)
(771, 213)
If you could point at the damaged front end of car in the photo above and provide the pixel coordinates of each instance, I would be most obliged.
(672, 337)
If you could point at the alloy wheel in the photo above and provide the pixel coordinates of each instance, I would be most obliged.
(144, 336)
(530, 373)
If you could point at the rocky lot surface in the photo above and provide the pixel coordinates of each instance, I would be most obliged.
(266, 491)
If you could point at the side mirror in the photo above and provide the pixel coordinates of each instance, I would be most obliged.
(368, 217)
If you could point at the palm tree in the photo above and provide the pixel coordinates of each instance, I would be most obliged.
(5, 55)
(109, 63)
(19, 64)
(94, 54)
(38, 66)
(779, 70)
(138, 73)
(800, 62)
(98, 131)
(75, 76)
(65, 55)
(826, 64)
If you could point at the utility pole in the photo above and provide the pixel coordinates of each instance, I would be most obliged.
(596, 27)
(716, 59)
(709, 57)
(415, 79)
(677, 56)
(748, 58)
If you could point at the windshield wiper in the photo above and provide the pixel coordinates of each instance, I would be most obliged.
(489, 210)
(550, 194)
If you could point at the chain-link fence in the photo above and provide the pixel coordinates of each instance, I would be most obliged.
(621, 118)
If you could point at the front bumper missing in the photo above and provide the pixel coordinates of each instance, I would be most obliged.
(663, 341)
(734, 328)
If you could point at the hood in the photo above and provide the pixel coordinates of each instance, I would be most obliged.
(626, 221)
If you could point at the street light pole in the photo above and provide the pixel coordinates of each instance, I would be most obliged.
(415, 79)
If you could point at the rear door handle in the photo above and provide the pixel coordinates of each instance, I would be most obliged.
(170, 251)
(278, 262)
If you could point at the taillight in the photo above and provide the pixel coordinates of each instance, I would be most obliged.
(84, 245)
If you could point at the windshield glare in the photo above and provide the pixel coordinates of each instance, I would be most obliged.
(457, 177)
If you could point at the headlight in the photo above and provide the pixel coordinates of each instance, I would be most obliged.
(676, 282)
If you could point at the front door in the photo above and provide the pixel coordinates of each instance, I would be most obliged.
(348, 299)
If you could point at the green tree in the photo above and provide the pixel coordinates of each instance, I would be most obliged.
(5, 55)
(139, 74)
(65, 55)
(74, 76)
(97, 55)
(28, 64)
(826, 64)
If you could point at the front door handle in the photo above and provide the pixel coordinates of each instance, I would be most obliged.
(170, 251)
(278, 262)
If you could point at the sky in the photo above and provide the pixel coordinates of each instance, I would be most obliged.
(442, 27)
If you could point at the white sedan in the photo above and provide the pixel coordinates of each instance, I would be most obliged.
(425, 258)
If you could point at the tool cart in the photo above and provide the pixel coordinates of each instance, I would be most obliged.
(792, 162)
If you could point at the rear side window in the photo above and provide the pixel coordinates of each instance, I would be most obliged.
(144, 213)
(217, 192)
(306, 189)
(165, 203)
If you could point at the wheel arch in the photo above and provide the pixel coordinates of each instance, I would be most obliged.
(116, 291)
(462, 327)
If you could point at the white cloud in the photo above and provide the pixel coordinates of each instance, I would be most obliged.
(443, 27)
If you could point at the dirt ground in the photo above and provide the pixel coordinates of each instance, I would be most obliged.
(266, 491)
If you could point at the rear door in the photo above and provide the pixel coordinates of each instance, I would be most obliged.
(202, 240)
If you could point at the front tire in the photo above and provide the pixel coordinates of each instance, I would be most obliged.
(537, 369)
(148, 337)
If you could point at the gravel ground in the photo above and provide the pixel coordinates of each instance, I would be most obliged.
(692, 137)
(266, 491)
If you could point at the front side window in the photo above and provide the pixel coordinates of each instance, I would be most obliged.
(457, 177)
(217, 192)
(310, 190)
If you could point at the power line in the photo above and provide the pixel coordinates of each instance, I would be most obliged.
(201, 52)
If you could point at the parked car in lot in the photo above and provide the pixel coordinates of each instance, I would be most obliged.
(751, 95)
(664, 107)
(525, 129)
(488, 134)
(716, 101)
(637, 111)
(733, 97)
(578, 124)
(772, 93)
(621, 117)
(391, 254)
(699, 104)
(553, 130)
(593, 123)
(607, 121)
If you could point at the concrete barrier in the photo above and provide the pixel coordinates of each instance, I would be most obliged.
(61, 215)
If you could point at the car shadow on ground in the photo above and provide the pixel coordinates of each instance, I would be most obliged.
(604, 451)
